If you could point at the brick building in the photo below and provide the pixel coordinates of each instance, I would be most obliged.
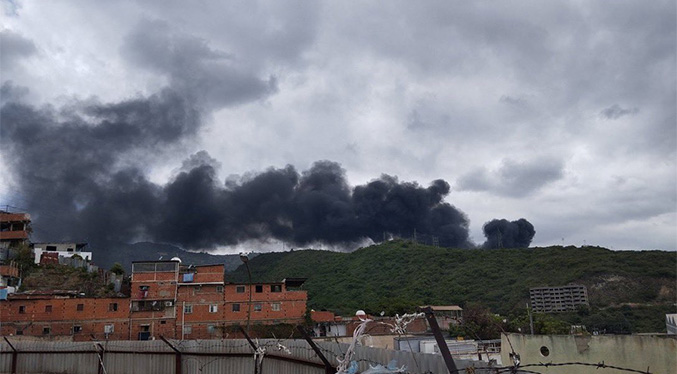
(167, 298)
(14, 230)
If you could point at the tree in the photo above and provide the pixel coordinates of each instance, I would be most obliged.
(117, 269)
(479, 323)
(24, 259)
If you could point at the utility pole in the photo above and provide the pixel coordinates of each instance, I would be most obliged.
(531, 320)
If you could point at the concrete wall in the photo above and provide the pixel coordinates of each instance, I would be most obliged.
(638, 352)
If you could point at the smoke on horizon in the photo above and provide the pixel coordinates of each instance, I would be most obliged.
(72, 169)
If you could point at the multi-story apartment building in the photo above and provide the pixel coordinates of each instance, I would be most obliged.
(558, 299)
(167, 299)
(14, 230)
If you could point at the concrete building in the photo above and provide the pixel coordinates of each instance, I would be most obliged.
(558, 299)
(167, 299)
(636, 352)
(66, 250)
(671, 323)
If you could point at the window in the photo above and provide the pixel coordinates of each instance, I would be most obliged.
(113, 307)
(48, 309)
(188, 308)
(259, 288)
(46, 330)
(108, 329)
(163, 322)
(275, 307)
(19, 332)
(236, 307)
(22, 309)
(213, 308)
(196, 290)
(80, 307)
(50, 248)
(239, 289)
(187, 329)
(77, 329)
(275, 288)
(258, 307)
(211, 329)
(219, 289)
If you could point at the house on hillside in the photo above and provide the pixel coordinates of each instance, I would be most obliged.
(167, 299)
(56, 250)
(14, 231)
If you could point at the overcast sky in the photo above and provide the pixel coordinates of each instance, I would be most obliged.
(560, 112)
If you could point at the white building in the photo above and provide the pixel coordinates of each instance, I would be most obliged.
(671, 323)
(62, 249)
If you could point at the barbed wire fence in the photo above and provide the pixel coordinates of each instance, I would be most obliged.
(203, 353)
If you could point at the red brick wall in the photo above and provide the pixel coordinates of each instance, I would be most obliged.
(169, 321)
(64, 315)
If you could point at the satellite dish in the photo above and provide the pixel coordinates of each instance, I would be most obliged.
(176, 259)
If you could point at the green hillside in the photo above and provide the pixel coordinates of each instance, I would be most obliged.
(399, 275)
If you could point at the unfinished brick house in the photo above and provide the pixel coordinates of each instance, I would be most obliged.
(14, 231)
(167, 298)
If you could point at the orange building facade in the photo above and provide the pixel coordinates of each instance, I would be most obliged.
(167, 299)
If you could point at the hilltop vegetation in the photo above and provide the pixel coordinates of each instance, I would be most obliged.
(399, 275)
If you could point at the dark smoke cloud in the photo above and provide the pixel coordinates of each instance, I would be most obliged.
(501, 233)
(68, 165)
(78, 171)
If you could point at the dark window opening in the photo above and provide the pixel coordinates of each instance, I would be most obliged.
(275, 288)
(22, 309)
(259, 288)
(163, 322)
(48, 309)
(19, 332)
(112, 307)
(236, 307)
(239, 289)
(77, 329)
(51, 248)
(46, 330)
(80, 307)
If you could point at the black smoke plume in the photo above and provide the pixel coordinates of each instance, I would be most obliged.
(79, 171)
(501, 233)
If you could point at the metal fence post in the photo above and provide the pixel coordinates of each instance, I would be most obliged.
(177, 357)
(15, 355)
(328, 368)
(441, 344)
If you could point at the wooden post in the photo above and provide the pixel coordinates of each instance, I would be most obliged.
(254, 347)
(178, 360)
(441, 344)
(328, 368)
(99, 352)
(15, 355)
